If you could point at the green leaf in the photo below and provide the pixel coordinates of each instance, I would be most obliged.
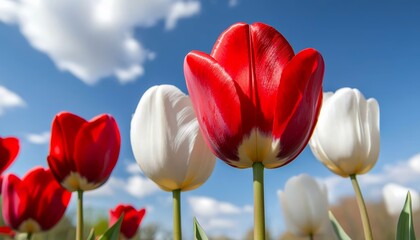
(199, 233)
(339, 231)
(91, 235)
(114, 231)
(405, 229)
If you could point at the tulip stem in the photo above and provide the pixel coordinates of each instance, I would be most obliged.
(79, 227)
(176, 195)
(311, 237)
(362, 208)
(259, 215)
(29, 236)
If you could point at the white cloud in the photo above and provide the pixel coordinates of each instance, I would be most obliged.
(41, 138)
(133, 168)
(8, 10)
(140, 186)
(209, 207)
(110, 188)
(219, 217)
(395, 195)
(9, 99)
(406, 173)
(233, 3)
(94, 39)
(181, 10)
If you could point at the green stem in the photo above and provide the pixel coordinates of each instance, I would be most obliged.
(176, 195)
(311, 237)
(259, 218)
(28, 236)
(79, 227)
(362, 208)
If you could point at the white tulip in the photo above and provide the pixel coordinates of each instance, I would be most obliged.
(394, 197)
(346, 138)
(167, 142)
(305, 206)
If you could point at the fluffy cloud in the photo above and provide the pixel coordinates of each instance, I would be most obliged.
(395, 195)
(94, 39)
(405, 173)
(140, 186)
(9, 99)
(135, 185)
(233, 3)
(218, 217)
(133, 168)
(41, 138)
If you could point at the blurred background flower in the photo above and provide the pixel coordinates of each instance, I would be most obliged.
(34, 203)
(131, 221)
(304, 204)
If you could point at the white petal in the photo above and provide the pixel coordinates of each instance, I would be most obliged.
(163, 134)
(346, 138)
(305, 205)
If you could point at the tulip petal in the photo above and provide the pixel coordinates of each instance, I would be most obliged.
(132, 219)
(97, 148)
(298, 104)
(9, 149)
(254, 56)
(347, 135)
(15, 198)
(163, 135)
(63, 135)
(48, 196)
(305, 205)
(200, 164)
(371, 124)
(218, 103)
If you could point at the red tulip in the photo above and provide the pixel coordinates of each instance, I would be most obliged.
(255, 100)
(131, 221)
(35, 203)
(83, 153)
(7, 231)
(9, 148)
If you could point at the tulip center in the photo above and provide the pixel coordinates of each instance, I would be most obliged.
(29, 226)
(258, 147)
(74, 182)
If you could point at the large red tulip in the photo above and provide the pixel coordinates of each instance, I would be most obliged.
(35, 203)
(9, 149)
(83, 153)
(255, 100)
(131, 221)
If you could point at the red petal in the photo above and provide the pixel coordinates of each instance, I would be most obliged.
(9, 149)
(97, 148)
(298, 102)
(63, 136)
(217, 104)
(254, 56)
(14, 201)
(131, 221)
(7, 231)
(47, 195)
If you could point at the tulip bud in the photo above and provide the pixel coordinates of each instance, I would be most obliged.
(167, 142)
(346, 138)
(305, 206)
(131, 221)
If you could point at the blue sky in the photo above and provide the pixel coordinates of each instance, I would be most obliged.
(99, 57)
